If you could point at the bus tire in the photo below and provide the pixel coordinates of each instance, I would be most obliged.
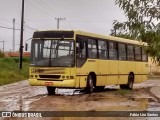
(130, 82)
(51, 90)
(90, 85)
(129, 85)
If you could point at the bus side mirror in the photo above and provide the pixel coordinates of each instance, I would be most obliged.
(26, 47)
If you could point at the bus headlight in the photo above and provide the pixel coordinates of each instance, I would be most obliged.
(63, 77)
(67, 77)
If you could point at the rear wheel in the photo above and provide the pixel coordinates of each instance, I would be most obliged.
(90, 85)
(51, 90)
(130, 82)
(129, 85)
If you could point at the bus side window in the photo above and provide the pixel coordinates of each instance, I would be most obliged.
(112, 50)
(130, 53)
(122, 51)
(144, 55)
(81, 51)
(92, 48)
(102, 49)
(138, 53)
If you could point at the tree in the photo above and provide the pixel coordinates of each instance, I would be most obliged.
(143, 23)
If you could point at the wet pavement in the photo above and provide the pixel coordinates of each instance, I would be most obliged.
(21, 96)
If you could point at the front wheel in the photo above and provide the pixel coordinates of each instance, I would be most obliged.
(51, 90)
(89, 88)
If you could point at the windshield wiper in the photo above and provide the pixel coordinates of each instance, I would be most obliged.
(50, 53)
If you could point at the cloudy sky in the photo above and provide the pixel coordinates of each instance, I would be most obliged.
(89, 15)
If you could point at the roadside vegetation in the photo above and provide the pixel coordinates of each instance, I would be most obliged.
(10, 72)
(122, 92)
(142, 23)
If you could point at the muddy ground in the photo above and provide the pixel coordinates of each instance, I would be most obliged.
(21, 96)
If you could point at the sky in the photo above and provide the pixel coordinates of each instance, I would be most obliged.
(88, 15)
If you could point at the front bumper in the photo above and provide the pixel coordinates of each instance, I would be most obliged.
(58, 83)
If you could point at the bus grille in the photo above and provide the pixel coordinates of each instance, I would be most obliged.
(50, 76)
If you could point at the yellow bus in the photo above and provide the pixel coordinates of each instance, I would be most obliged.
(78, 59)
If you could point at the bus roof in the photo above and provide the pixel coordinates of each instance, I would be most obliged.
(100, 36)
(111, 38)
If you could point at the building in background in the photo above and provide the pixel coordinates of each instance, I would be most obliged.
(16, 54)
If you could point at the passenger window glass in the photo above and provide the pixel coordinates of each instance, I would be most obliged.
(112, 50)
(122, 51)
(92, 48)
(81, 51)
(102, 49)
(138, 53)
(144, 56)
(130, 53)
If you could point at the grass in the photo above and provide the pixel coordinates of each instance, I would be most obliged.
(10, 72)
(122, 92)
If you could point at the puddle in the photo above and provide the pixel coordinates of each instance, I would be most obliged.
(26, 102)
(69, 92)
(109, 99)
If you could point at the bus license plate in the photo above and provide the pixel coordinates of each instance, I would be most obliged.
(48, 83)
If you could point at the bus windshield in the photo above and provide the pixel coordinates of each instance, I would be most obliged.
(57, 53)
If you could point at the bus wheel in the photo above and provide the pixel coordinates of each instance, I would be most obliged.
(130, 82)
(90, 86)
(51, 90)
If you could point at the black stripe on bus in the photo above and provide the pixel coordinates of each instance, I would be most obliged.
(111, 74)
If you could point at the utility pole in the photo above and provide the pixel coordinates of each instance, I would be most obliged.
(13, 34)
(21, 37)
(58, 20)
(3, 45)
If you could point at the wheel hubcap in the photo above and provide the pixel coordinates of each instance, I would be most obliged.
(130, 82)
(91, 84)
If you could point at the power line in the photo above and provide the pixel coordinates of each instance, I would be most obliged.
(8, 28)
(28, 27)
(51, 10)
(31, 28)
(48, 8)
(37, 5)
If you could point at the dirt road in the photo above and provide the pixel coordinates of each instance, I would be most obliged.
(21, 96)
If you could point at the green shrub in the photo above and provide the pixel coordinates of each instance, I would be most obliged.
(10, 72)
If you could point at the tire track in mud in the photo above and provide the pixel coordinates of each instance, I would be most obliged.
(25, 97)
(153, 95)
